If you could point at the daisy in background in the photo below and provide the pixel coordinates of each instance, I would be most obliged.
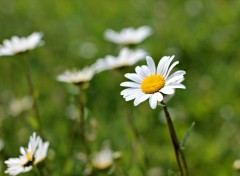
(153, 83)
(18, 45)
(125, 58)
(128, 36)
(30, 156)
(104, 158)
(18, 106)
(78, 77)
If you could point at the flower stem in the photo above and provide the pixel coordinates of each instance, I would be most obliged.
(82, 121)
(182, 164)
(36, 170)
(31, 91)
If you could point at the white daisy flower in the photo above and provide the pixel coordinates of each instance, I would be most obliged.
(77, 77)
(128, 35)
(32, 155)
(103, 159)
(236, 165)
(151, 82)
(17, 106)
(125, 58)
(20, 44)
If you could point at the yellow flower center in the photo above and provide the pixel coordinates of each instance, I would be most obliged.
(152, 84)
(29, 156)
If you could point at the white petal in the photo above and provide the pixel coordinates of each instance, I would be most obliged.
(176, 76)
(167, 90)
(133, 96)
(166, 65)
(141, 99)
(170, 69)
(130, 84)
(158, 96)
(151, 65)
(146, 70)
(176, 85)
(161, 65)
(128, 90)
(153, 102)
(134, 77)
(140, 72)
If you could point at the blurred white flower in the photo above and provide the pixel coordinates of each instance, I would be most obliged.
(151, 82)
(17, 106)
(103, 159)
(77, 77)
(32, 155)
(125, 58)
(236, 165)
(128, 35)
(20, 44)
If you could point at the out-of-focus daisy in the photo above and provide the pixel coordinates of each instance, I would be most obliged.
(104, 158)
(17, 106)
(236, 165)
(20, 44)
(151, 82)
(128, 35)
(77, 76)
(32, 155)
(125, 58)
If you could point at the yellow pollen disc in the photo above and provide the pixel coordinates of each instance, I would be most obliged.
(152, 84)
(29, 156)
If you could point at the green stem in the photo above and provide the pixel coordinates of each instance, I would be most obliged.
(36, 170)
(31, 91)
(82, 121)
(177, 149)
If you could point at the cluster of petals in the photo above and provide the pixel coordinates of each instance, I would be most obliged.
(17, 106)
(104, 158)
(134, 90)
(17, 45)
(32, 155)
(77, 76)
(125, 58)
(128, 35)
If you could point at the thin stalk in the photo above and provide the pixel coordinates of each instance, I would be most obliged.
(31, 91)
(82, 121)
(178, 151)
(36, 170)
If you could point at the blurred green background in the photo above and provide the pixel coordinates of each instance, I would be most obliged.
(203, 35)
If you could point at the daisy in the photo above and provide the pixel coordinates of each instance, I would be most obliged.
(153, 83)
(77, 77)
(20, 44)
(17, 106)
(128, 35)
(103, 159)
(125, 58)
(32, 155)
(236, 165)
